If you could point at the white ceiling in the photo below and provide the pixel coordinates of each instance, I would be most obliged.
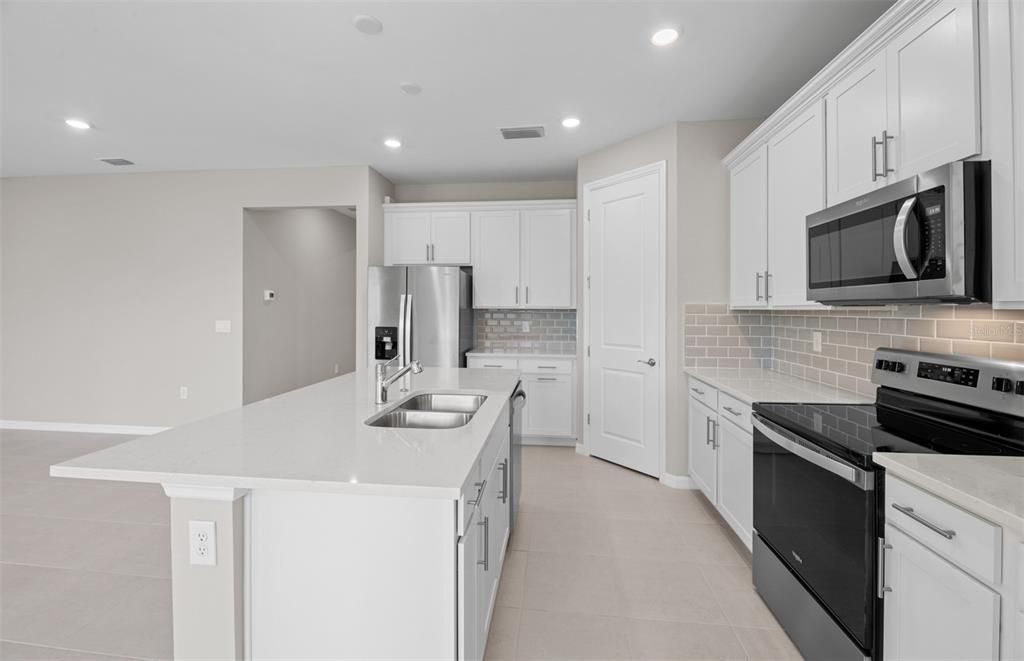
(210, 85)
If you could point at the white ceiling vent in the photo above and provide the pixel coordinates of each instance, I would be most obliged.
(522, 132)
(117, 161)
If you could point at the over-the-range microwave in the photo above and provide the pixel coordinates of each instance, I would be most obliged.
(925, 239)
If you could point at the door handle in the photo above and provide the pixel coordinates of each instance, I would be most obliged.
(428, 252)
(909, 511)
(874, 158)
(527, 294)
(708, 422)
(486, 562)
(882, 587)
(517, 294)
(767, 283)
(899, 239)
(650, 362)
(886, 170)
(757, 285)
(503, 494)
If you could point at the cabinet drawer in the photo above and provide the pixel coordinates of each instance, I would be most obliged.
(966, 540)
(732, 409)
(703, 393)
(492, 362)
(545, 366)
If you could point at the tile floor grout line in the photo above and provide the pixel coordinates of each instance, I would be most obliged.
(82, 569)
(91, 652)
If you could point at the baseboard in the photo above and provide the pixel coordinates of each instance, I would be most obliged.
(677, 481)
(582, 450)
(549, 440)
(131, 430)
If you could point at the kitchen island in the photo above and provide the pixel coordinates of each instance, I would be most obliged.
(331, 538)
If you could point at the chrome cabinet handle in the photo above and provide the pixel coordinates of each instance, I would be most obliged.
(428, 252)
(874, 158)
(899, 239)
(767, 280)
(517, 294)
(731, 410)
(882, 587)
(486, 562)
(547, 367)
(909, 511)
(650, 362)
(708, 426)
(757, 285)
(527, 294)
(492, 365)
(886, 170)
(480, 486)
(698, 391)
(503, 494)
(546, 378)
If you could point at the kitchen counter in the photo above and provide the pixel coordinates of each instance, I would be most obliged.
(992, 487)
(763, 385)
(518, 353)
(314, 439)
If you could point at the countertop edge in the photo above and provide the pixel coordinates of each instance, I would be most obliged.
(962, 499)
(846, 396)
(522, 354)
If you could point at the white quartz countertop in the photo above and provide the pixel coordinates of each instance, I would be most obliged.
(315, 439)
(520, 353)
(991, 487)
(763, 385)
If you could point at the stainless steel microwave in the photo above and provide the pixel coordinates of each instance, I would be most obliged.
(925, 239)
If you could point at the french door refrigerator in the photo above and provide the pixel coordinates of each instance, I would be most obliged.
(422, 313)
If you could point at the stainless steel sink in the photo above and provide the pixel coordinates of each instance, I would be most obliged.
(445, 402)
(431, 410)
(400, 417)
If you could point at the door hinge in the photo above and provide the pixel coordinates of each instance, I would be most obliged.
(588, 418)
(588, 215)
(588, 351)
(588, 282)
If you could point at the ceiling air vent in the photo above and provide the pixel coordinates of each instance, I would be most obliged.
(522, 132)
(117, 161)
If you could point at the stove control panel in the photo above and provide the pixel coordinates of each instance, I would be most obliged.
(995, 385)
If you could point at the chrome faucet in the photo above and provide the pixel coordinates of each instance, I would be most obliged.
(384, 382)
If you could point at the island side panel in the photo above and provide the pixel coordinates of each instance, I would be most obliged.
(349, 576)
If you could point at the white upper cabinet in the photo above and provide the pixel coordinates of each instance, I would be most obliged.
(548, 258)
(427, 237)
(496, 259)
(796, 189)
(748, 227)
(856, 111)
(933, 90)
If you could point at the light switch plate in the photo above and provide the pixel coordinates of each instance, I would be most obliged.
(202, 543)
(222, 326)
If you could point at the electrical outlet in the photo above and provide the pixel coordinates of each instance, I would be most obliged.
(816, 339)
(526, 326)
(202, 543)
(222, 326)
(183, 392)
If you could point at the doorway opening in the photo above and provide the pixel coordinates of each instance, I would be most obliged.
(298, 298)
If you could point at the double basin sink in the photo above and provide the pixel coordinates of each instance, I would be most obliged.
(430, 411)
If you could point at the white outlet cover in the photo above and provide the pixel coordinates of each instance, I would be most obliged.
(183, 392)
(816, 337)
(202, 543)
(222, 326)
(526, 326)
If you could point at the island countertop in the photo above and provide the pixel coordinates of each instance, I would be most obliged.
(315, 439)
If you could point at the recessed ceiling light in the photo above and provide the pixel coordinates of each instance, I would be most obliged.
(392, 143)
(368, 24)
(412, 89)
(571, 122)
(79, 124)
(664, 37)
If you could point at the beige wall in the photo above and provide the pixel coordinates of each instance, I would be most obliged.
(697, 237)
(307, 333)
(112, 284)
(487, 192)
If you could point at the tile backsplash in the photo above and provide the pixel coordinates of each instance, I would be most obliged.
(538, 330)
(849, 337)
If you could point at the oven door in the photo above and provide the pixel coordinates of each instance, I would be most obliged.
(890, 245)
(817, 514)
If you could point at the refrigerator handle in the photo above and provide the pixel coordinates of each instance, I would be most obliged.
(401, 330)
(406, 330)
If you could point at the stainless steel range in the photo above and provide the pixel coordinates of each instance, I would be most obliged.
(818, 495)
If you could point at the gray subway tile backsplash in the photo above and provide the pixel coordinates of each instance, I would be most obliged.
(535, 330)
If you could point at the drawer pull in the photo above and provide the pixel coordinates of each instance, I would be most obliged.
(546, 378)
(499, 366)
(909, 511)
(697, 390)
(480, 486)
(547, 367)
(733, 411)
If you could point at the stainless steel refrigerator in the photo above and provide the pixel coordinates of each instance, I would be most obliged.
(422, 313)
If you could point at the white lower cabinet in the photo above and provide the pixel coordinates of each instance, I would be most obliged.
(736, 479)
(703, 458)
(933, 609)
(549, 416)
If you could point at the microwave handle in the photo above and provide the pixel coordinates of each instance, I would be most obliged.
(899, 239)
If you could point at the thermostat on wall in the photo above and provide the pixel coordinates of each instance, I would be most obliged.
(269, 295)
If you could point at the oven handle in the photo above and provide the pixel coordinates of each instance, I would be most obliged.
(899, 239)
(861, 478)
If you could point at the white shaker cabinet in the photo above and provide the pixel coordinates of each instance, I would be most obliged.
(427, 237)
(548, 258)
(933, 90)
(703, 423)
(856, 112)
(407, 238)
(470, 624)
(450, 237)
(496, 238)
(796, 189)
(549, 409)
(748, 228)
(933, 610)
(736, 477)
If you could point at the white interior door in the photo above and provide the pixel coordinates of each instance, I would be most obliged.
(625, 319)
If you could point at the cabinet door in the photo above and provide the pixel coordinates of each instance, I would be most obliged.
(470, 549)
(934, 611)
(548, 258)
(549, 405)
(934, 90)
(703, 459)
(748, 223)
(450, 237)
(407, 237)
(488, 564)
(736, 479)
(496, 259)
(856, 113)
(796, 188)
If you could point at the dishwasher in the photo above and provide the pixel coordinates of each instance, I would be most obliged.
(516, 405)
